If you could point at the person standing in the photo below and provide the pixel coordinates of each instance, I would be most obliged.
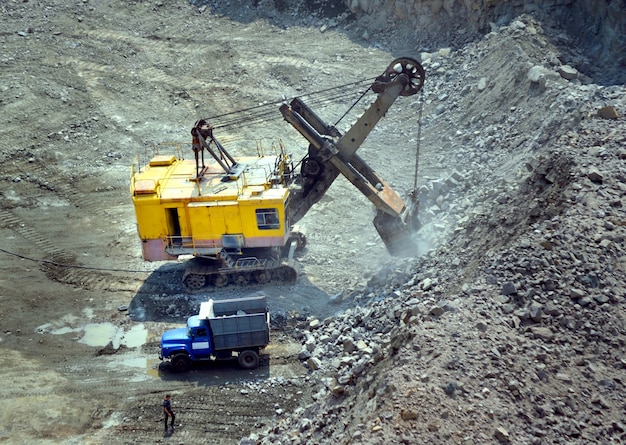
(167, 411)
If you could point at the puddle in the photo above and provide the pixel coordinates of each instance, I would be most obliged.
(135, 337)
(153, 368)
(101, 334)
(49, 328)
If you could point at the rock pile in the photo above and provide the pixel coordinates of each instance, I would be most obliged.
(512, 329)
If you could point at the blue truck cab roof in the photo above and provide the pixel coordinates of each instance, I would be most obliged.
(182, 334)
(194, 321)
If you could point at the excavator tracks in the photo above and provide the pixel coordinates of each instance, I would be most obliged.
(201, 274)
(240, 270)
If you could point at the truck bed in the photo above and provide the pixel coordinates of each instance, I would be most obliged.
(240, 331)
(238, 323)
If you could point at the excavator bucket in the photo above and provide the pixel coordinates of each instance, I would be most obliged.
(397, 231)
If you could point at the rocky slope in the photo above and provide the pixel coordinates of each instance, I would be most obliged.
(595, 27)
(512, 328)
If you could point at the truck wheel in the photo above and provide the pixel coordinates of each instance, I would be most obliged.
(181, 363)
(248, 359)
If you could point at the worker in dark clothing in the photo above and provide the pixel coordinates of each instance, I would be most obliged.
(167, 411)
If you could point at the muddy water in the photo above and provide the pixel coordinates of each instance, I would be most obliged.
(101, 334)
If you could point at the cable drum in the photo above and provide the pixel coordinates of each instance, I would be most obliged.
(407, 66)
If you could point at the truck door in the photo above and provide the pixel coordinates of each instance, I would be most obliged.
(201, 342)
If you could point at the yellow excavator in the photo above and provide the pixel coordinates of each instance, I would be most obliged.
(236, 217)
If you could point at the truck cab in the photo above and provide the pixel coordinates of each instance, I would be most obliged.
(194, 340)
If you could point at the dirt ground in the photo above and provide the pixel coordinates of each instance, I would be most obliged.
(524, 185)
(86, 87)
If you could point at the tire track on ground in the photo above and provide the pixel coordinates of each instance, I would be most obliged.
(57, 183)
(60, 265)
(11, 221)
(198, 78)
(153, 66)
(223, 414)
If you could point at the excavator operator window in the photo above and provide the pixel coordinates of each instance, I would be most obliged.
(267, 219)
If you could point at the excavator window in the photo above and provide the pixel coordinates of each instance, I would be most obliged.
(267, 219)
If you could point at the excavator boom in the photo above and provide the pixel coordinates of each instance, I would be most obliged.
(331, 153)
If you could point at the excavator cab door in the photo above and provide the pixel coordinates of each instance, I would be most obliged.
(173, 226)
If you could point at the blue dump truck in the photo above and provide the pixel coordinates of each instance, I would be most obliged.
(223, 329)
